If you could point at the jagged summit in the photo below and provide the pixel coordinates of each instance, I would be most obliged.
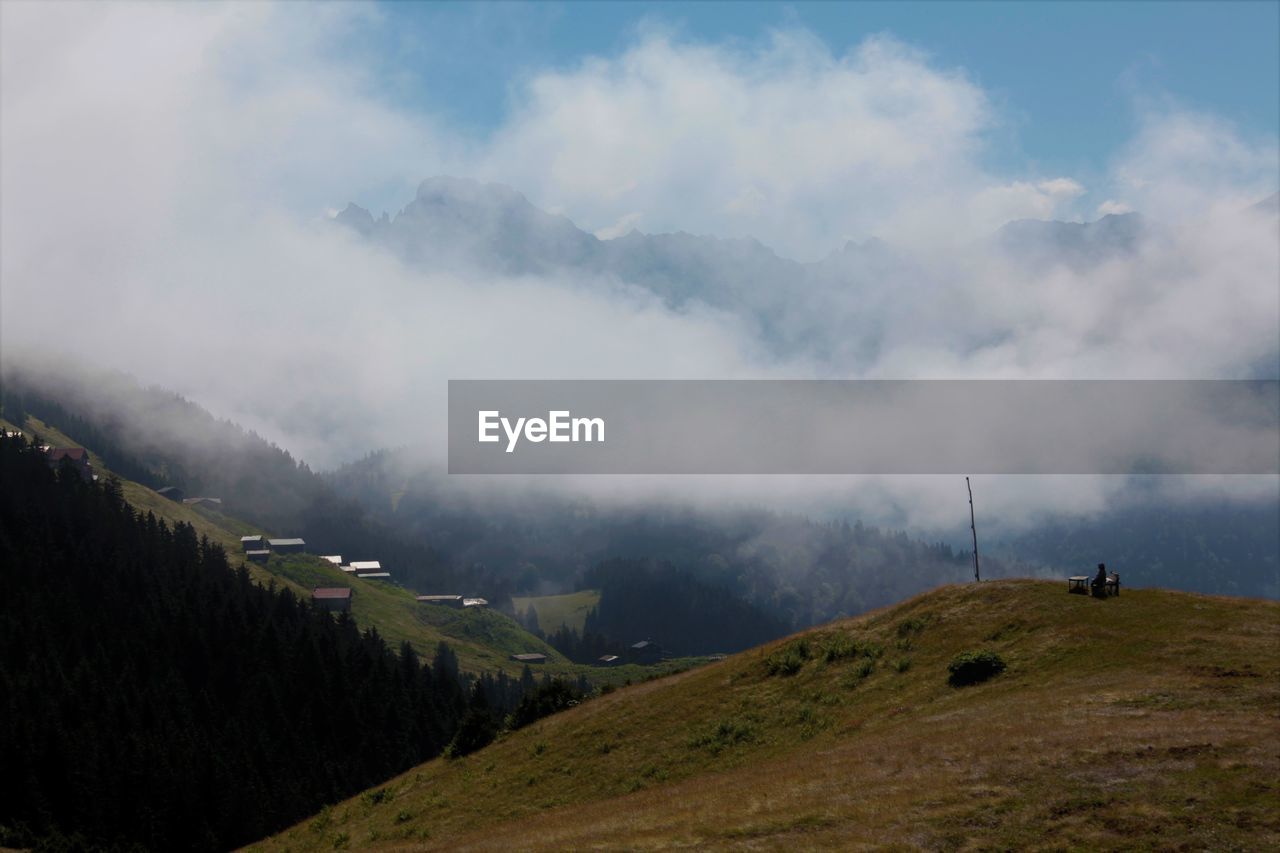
(1077, 244)
(471, 226)
(356, 217)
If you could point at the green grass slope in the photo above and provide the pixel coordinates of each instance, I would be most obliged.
(482, 639)
(569, 609)
(222, 529)
(1145, 721)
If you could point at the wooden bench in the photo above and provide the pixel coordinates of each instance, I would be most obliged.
(1083, 585)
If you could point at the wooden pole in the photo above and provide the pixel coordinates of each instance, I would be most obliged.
(977, 576)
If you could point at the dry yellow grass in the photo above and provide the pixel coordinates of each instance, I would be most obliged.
(1150, 721)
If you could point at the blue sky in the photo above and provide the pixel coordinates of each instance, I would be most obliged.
(1065, 75)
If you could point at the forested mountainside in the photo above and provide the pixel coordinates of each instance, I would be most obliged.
(157, 438)
(778, 571)
(798, 570)
(438, 536)
(150, 695)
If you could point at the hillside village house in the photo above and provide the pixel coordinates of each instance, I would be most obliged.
(475, 602)
(76, 456)
(358, 566)
(257, 555)
(253, 543)
(336, 559)
(287, 546)
(446, 600)
(529, 658)
(332, 598)
(373, 575)
(645, 651)
(173, 493)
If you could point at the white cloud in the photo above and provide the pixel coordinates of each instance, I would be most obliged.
(1185, 165)
(1111, 207)
(166, 172)
(993, 206)
(785, 140)
(1061, 187)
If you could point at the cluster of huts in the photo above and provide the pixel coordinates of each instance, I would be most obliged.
(360, 568)
(177, 495)
(643, 652)
(258, 548)
(457, 601)
(339, 597)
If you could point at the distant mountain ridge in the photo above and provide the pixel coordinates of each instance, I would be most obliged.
(1081, 245)
(834, 305)
(492, 224)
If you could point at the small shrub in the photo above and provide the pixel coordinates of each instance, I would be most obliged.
(902, 664)
(911, 626)
(539, 747)
(789, 659)
(974, 667)
(865, 667)
(547, 699)
(322, 820)
(840, 647)
(785, 664)
(378, 797)
(654, 772)
(403, 816)
(725, 734)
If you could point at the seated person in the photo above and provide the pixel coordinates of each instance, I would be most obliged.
(1099, 583)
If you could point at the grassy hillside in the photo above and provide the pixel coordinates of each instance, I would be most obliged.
(222, 529)
(483, 640)
(553, 611)
(1145, 721)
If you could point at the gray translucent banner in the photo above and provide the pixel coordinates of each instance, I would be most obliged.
(864, 427)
